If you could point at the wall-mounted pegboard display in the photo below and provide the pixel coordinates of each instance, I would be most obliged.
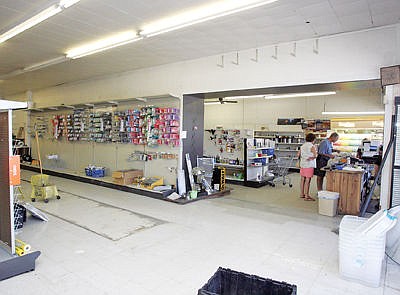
(59, 124)
(76, 124)
(100, 127)
(41, 126)
(148, 126)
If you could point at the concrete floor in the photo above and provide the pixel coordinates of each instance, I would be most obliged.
(268, 231)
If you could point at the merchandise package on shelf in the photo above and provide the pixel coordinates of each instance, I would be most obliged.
(151, 182)
(149, 125)
(125, 177)
(95, 171)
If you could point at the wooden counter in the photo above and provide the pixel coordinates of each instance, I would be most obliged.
(349, 186)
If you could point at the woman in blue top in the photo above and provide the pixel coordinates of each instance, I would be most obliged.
(325, 149)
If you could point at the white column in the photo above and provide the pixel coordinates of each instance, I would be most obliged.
(386, 179)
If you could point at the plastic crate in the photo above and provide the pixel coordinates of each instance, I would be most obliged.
(88, 171)
(19, 216)
(98, 172)
(95, 171)
(229, 282)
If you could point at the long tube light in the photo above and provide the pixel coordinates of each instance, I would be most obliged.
(305, 94)
(36, 19)
(103, 44)
(200, 15)
(355, 113)
(211, 102)
(44, 64)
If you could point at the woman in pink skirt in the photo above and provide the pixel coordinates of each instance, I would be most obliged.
(307, 154)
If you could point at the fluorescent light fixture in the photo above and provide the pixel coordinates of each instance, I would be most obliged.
(53, 108)
(68, 3)
(112, 102)
(211, 102)
(305, 94)
(347, 124)
(89, 105)
(10, 104)
(243, 97)
(355, 113)
(36, 19)
(44, 64)
(200, 15)
(141, 99)
(69, 107)
(103, 44)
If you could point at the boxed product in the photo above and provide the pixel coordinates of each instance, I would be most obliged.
(126, 176)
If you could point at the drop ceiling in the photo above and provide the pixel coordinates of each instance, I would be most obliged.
(88, 20)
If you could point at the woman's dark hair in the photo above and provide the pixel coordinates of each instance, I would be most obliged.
(310, 137)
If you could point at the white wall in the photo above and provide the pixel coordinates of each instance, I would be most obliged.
(256, 113)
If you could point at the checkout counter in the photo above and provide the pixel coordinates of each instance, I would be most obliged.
(352, 182)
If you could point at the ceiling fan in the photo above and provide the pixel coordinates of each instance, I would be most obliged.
(222, 100)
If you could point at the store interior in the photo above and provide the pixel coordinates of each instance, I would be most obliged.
(200, 147)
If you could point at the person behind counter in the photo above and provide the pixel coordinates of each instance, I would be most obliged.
(307, 154)
(325, 150)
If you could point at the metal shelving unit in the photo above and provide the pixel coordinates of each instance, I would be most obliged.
(287, 143)
(256, 161)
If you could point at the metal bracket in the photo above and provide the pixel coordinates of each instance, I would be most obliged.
(236, 62)
(294, 51)
(221, 65)
(255, 59)
(275, 56)
(316, 46)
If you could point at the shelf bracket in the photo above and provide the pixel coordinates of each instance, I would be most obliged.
(316, 46)
(236, 62)
(221, 64)
(275, 56)
(294, 51)
(255, 58)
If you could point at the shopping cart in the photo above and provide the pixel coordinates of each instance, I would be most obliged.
(280, 168)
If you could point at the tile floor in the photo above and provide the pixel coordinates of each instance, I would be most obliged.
(267, 231)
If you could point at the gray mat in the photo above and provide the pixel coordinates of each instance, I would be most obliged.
(105, 220)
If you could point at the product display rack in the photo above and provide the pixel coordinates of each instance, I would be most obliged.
(226, 146)
(258, 154)
(350, 139)
(287, 144)
(234, 172)
(353, 130)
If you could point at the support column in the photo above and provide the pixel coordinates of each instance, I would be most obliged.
(193, 124)
(386, 179)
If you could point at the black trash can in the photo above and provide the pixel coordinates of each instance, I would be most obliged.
(229, 282)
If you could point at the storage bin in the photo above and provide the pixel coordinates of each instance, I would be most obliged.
(95, 171)
(360, 255)
(328, 203)
(230, 282)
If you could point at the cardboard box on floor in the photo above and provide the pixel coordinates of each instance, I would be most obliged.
(126, 176)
